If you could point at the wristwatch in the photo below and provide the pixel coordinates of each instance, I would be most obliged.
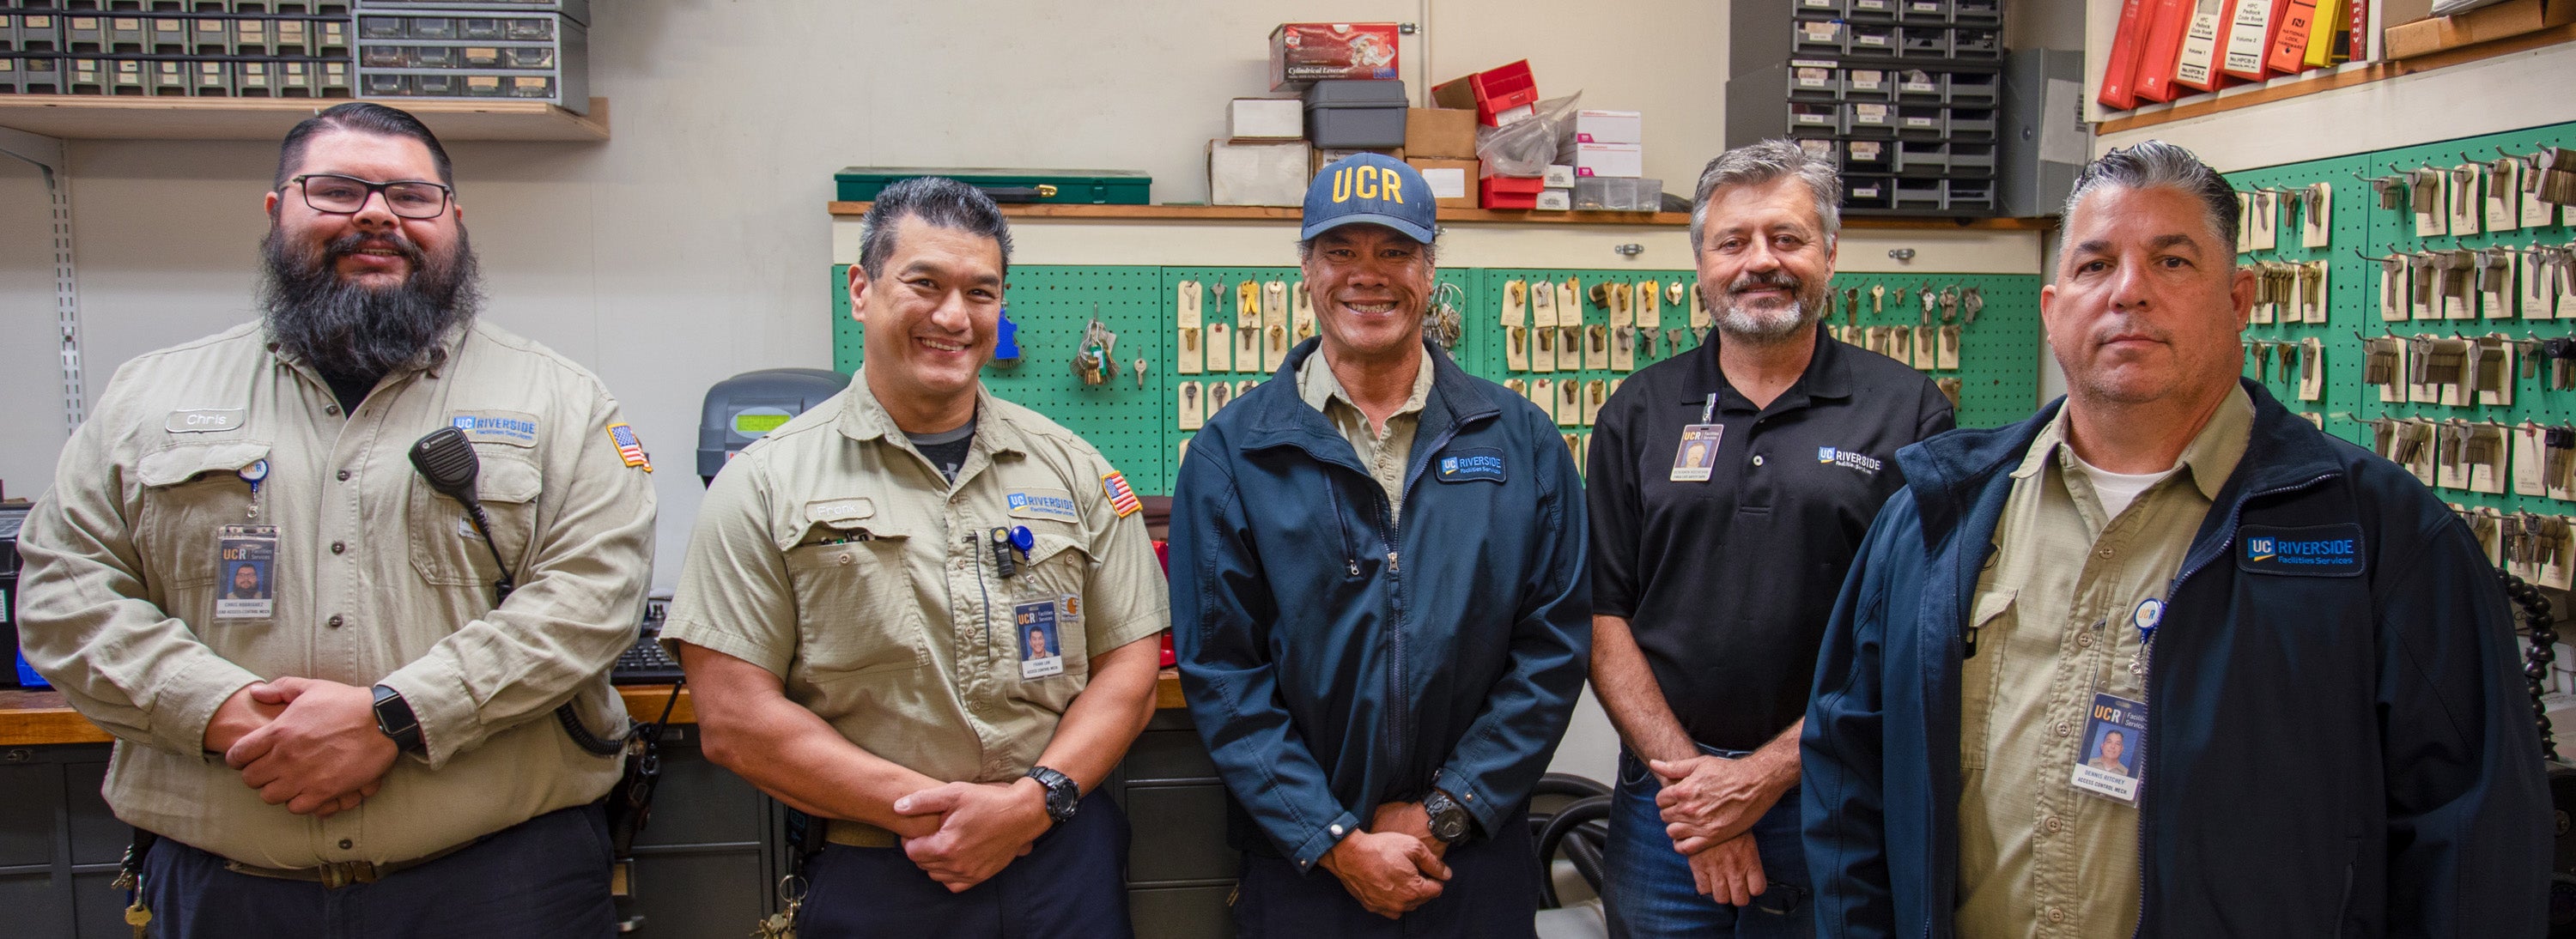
(1449, 821)
(395, 720)
(1063, 796)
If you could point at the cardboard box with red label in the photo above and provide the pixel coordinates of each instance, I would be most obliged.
(1303, 53)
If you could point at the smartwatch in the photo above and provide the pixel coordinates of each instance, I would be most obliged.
(1063, 796)
(394, 719)
(1449, 821)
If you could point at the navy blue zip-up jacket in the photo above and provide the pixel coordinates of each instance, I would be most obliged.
(2339, 747)
(1335, 660)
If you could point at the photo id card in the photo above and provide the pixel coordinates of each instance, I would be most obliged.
(2115, 738)
(1039, 625)
(1697, 452)
(246, 578)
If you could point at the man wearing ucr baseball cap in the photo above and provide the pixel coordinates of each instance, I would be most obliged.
(1379, 600)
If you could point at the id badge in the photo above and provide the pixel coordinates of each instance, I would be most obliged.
(248, 555)
(1039, 625)
(2115, 739)
(1696, 453)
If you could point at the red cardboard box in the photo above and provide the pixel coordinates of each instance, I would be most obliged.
(1500, 96)
(1303, 53)
(1509, 192)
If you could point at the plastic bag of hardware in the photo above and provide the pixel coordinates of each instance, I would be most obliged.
(1525, 147)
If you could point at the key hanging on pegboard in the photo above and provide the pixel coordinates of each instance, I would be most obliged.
(1093, 360)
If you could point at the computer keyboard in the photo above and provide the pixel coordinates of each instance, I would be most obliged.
(645, 662)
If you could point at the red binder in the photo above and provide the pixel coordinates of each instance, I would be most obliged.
(2120, 73)
(2156, 57)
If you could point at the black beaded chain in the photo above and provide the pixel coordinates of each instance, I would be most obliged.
(2544, 650)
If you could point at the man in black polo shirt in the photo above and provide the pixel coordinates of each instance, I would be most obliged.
(1729, 490)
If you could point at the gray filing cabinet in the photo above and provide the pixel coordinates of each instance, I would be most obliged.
(1179, 870)
(704, 866)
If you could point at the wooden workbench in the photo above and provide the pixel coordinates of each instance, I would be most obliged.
(39, 718)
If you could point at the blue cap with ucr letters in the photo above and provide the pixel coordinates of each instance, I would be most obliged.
(1371, 188)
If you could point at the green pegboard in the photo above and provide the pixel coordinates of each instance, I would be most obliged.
(1138, 428)
(1051, 304)
(2362, 230)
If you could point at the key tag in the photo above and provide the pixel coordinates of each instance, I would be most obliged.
(1696, 453)
(1038, 618)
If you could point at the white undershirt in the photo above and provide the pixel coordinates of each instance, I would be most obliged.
(2117, 490)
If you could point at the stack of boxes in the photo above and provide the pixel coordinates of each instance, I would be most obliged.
(1350, 102)
(534, 50)
(1903, 95)
(214, 48)
(1610, 163)
(1441, 142)
(1499, 97)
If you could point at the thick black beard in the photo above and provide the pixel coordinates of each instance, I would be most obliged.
(348, 331)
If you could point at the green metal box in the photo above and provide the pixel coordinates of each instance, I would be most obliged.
(1095, 187)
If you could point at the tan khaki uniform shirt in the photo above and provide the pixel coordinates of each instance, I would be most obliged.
(376, 583)
(1384, 453)
(832, 554)
(2037, 856)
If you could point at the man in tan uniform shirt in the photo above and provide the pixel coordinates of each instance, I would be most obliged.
(856, 610)
(265, 741)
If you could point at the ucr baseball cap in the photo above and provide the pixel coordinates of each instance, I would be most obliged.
(1371, 188)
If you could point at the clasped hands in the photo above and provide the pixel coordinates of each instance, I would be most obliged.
(1708, 803)
(965, 833)
(1395, 866)
(308, 744)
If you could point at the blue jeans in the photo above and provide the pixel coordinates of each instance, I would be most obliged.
(1646, 885)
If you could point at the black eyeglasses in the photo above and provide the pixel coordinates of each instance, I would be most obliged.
(345, 194)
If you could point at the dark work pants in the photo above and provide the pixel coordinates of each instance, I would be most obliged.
(1492, 893)
(1073, 883)
(543, 878)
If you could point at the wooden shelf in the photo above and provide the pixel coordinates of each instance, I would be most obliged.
(108, 117)
(1254, 213)
(2309, 83)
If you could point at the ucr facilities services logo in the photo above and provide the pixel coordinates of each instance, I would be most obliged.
(2320, 550)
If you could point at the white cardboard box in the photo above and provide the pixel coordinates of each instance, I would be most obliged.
(1609, 159)
(1558, 176)
(1555, 200)
(1267, 119)
(1609, 127)
(1257, 173)
(1447, 182)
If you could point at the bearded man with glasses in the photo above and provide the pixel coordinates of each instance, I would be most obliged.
(379, 742)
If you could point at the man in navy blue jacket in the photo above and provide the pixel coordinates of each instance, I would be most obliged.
(1379, 601)
(2305, 656)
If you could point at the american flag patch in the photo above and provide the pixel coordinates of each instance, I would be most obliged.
(1121, 498)
(629, 448)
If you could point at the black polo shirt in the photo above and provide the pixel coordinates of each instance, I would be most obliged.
(1727, 583)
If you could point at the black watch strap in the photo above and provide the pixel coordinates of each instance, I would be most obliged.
(395, 720)
(1063, 795)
